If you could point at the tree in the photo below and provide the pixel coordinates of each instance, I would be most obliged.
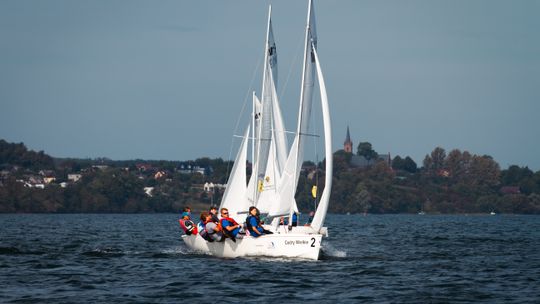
(397, 163)
(427, 163)
(435, 161)
(365, 149)
(362, 198)
(515, 174)
(484, 173)
(438, 155)
(409, 165)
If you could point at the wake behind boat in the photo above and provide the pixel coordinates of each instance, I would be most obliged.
(276, 167)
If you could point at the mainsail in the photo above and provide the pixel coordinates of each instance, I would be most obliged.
(270, 140)
(296, 155)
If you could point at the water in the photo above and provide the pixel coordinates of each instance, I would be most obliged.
(377, 259)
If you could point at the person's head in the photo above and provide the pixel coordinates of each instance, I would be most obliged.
(213, 210)
(205, 216)
(186, 209)
(224, 212)
(312, 213)
(253, 211)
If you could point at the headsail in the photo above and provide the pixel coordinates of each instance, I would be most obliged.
(234, 197)
(279, 135)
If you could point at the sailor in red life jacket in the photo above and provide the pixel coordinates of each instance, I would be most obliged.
(229, 225)
(187, 225)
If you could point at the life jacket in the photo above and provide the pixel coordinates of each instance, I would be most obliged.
(215, 218)
(204, 233)
(207, 235)
(188, 226)
(294, 219)
(223, 228)
(229, 219)
(248, 223)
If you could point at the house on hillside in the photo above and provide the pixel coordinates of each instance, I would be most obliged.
(142, 167)
(160, 174)
(189, 169)
(74, 177)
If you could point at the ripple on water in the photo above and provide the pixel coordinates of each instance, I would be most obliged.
(403, 259)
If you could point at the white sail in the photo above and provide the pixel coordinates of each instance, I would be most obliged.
(234, 197)
(279, 132)
(269, 194)
(265, 131)
(287, 184)
(320, 213)
(308, 77)
(257, 108)
(306, 96)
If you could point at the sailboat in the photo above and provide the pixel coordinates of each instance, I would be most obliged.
(276, 167)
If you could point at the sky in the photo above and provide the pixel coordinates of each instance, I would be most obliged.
(172, 80)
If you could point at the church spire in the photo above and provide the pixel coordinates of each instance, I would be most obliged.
(347, 145)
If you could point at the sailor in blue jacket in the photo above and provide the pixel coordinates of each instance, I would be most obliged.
(253, 222)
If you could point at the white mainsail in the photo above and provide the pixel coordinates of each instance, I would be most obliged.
(257, 108)
(271, 146)
(264, 135)
(306, 94)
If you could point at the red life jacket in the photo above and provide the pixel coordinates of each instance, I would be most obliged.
(230, 219)
(188, 226)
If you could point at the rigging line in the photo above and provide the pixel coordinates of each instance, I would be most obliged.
(242, 111)
(291, 132)
(291, 66)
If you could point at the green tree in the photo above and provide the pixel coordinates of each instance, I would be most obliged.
(397, 163)
(409, 165)
(366, 150)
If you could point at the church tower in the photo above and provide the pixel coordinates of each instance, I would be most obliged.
(347, 145)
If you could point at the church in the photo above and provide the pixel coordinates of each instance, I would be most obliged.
(360, 161)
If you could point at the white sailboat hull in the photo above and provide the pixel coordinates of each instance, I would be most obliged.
(288, 245)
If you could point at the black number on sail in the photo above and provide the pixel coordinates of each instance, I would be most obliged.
(312, 242)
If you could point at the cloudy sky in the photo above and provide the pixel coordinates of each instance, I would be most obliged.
(169, 79)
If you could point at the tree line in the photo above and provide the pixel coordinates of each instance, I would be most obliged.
(453, 182)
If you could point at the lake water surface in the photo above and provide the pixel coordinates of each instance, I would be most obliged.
(113, 258)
